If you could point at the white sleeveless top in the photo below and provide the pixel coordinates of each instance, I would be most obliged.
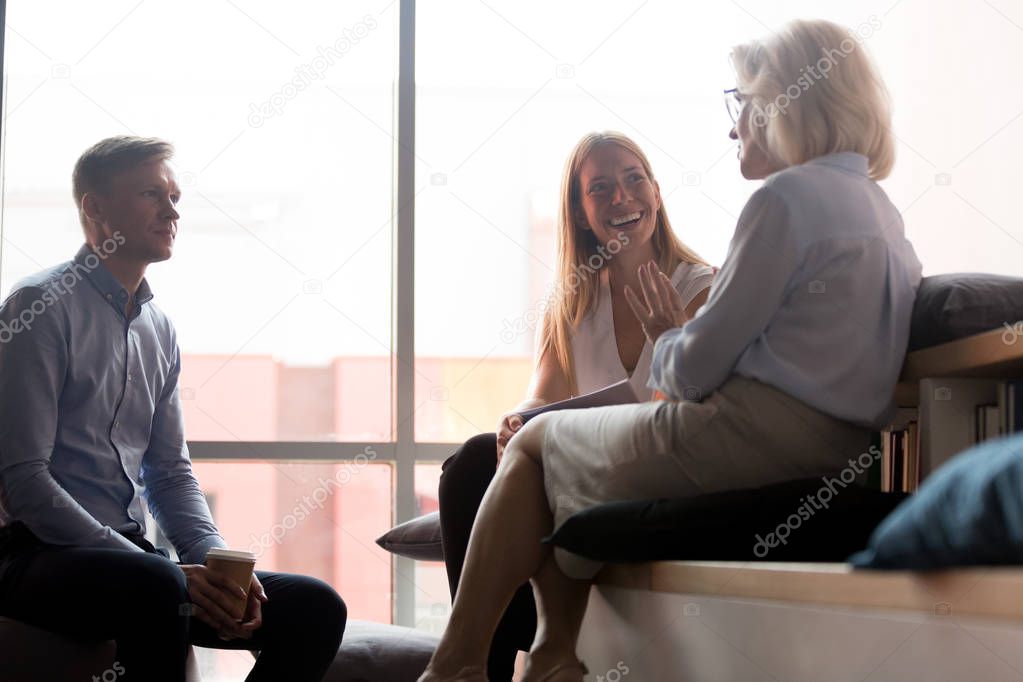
(595, 349)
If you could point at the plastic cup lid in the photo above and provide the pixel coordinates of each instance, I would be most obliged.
(233, 554)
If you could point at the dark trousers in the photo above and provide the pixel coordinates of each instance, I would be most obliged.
(464, 479)
(140, 600)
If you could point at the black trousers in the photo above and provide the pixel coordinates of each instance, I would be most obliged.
(464, 479)
(141, 601)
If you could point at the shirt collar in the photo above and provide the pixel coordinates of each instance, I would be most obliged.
(106, 283)
(849, 161)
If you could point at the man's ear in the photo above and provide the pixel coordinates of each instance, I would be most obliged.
(92, 211)
(92, 208)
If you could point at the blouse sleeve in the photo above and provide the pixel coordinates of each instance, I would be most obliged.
(698, 278)
(695, 359)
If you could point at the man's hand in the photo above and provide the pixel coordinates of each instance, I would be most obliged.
(215, 601)
(253, 618)
(662, 307)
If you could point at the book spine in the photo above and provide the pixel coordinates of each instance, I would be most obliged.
(914, 456)
(886, 461)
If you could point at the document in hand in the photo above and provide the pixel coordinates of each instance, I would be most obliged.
(620, 393)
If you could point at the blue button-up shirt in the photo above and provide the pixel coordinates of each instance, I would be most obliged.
(813, 298)
(90, 417)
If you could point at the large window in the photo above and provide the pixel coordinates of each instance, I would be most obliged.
(291, 286)
(280, 282)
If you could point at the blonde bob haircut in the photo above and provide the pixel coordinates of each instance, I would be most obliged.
(581, 257)
(812, 90)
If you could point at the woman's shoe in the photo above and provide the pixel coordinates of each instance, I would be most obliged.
(472, 673)
(564, 672)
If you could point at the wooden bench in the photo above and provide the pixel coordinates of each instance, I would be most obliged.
(802, 622)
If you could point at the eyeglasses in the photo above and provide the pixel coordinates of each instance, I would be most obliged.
(734, 104)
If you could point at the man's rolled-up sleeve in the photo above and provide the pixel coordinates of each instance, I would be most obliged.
(171, 489)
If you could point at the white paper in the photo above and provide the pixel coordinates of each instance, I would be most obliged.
(620, 393)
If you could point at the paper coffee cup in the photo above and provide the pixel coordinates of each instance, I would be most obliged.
(236, 565)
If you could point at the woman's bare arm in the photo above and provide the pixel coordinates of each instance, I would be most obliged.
(697, 303)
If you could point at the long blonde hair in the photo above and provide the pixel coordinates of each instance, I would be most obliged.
(578, 280)
(799, 113)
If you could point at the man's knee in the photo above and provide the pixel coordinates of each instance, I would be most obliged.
(337, 612)
(163, 585)
(329, 603)
(311, 596)
(160, 587)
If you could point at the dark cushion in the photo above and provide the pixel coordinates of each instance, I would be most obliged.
(30, 653)
(949, 307)
(968, 512)
(803, 520)
(374, 652)
(415, 539)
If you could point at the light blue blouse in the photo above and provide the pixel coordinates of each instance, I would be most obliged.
(813, 298)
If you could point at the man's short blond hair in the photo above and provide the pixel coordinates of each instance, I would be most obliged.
(107, 158)
(813, 90)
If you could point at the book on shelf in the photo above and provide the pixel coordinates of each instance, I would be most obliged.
(900, 453)
(959, 413)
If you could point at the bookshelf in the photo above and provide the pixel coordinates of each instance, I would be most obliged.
(969, 367)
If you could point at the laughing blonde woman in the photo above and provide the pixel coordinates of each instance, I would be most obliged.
(611, 221)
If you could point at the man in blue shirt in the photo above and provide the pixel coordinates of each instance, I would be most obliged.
(90, 419)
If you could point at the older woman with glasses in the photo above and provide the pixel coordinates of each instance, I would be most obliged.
(781, 375)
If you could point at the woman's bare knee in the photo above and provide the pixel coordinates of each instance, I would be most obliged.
(528, 441)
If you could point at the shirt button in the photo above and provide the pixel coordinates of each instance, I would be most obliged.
(129, 376)
(110, 297)
(117, 425)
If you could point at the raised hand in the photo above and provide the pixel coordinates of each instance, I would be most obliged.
(661, 307)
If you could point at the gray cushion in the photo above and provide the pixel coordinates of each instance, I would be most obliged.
(951, 306)
(374, 652)
(415, 539)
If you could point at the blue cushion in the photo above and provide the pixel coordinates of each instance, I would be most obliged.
(969, 512)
